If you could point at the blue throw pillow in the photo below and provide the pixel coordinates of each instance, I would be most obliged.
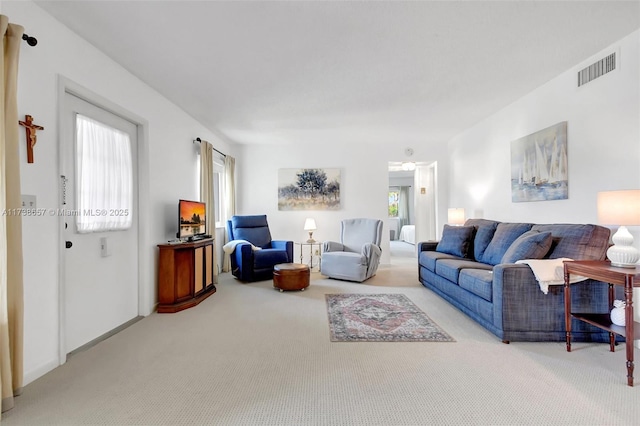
(455, 240)
(505, 235)
(530, 245)
(484, 234)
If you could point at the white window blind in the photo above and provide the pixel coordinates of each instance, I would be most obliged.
(104, 177)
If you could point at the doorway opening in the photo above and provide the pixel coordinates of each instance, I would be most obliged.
(412, 208)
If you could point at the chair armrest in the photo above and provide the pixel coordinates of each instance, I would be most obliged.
(427, 246)
(284, 245)
(242, 261)
(328, 246)
(372, 252)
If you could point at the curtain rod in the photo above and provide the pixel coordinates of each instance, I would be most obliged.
(219, 152)
(31, 41)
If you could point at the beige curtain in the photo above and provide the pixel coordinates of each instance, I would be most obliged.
(206, 195)
(229, 202)
(11, 294)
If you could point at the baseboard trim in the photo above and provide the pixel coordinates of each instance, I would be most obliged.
(105, 336)
(36, 373)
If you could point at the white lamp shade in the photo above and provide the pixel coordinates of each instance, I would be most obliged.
(456, 216)
(310, 224)
(619, 207)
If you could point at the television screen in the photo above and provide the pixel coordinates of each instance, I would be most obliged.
(192, 218)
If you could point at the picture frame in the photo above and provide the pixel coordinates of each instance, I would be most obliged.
(309, 189)
(539, 165)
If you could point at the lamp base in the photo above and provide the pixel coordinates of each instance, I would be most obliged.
(623, 254)
(624, 265)
(311, 240)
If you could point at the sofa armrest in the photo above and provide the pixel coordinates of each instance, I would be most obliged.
(520, 305)
(427, 246)
(512, 284)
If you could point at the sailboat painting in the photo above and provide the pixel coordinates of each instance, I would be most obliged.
(539, 166)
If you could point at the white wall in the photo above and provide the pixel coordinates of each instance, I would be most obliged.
(603, 145)
(170, 163)
(364, 183)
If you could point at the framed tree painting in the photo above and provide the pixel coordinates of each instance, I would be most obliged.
(308, 189)
(539, 166)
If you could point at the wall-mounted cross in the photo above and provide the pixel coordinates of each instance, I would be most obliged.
(31, 135)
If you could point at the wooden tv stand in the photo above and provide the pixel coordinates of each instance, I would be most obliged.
(185, 274)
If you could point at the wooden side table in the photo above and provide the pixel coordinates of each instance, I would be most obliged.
(603, 271)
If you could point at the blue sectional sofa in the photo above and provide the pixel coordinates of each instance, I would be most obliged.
(473, 268)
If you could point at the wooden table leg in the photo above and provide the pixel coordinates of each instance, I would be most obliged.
(628, 295)
(612, 337)
(567, 309)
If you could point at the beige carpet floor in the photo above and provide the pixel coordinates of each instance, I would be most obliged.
(250, 355)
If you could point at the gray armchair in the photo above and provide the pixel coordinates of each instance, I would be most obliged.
(357, 256)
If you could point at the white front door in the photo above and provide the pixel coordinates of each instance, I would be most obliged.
(100, 270)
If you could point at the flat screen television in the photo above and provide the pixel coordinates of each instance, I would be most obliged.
(191, 219)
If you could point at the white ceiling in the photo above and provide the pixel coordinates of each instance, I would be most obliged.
(337, 71)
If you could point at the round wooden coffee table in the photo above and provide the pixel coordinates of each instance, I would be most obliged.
(291, 276)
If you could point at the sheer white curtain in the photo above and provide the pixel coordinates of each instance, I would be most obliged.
(229, 202)
(206, 195)
(11, 278)
(403, 206)
(104, 176)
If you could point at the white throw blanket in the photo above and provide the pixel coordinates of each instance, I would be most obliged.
(550, 272)
(231, 246)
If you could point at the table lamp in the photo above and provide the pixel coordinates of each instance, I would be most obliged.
(620, 208)
(455, 216)
(310, 225)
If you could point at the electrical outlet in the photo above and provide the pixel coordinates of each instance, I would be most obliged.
(28, 201)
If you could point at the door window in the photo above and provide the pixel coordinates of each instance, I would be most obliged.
(104, 177)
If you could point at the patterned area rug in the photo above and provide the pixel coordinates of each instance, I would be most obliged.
(380, 318)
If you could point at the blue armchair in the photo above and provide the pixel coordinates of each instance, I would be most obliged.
(357, 256)
(249, 264)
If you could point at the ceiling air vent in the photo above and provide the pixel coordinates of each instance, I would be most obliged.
(597, 69)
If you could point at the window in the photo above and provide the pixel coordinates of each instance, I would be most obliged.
(104, 177)
(394, 196)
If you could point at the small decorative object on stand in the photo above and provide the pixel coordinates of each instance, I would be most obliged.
(617, 313)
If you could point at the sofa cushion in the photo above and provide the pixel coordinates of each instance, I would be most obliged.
(505, 235)
(450, 268)
(530, 245)
(484, 235)
(579, 242)
(478, 282)
(428, 259)
(456, 240)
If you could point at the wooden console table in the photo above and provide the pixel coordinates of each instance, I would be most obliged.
(603, 271)
(185, 275)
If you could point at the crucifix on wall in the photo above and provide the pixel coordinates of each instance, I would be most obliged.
(31, 135)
